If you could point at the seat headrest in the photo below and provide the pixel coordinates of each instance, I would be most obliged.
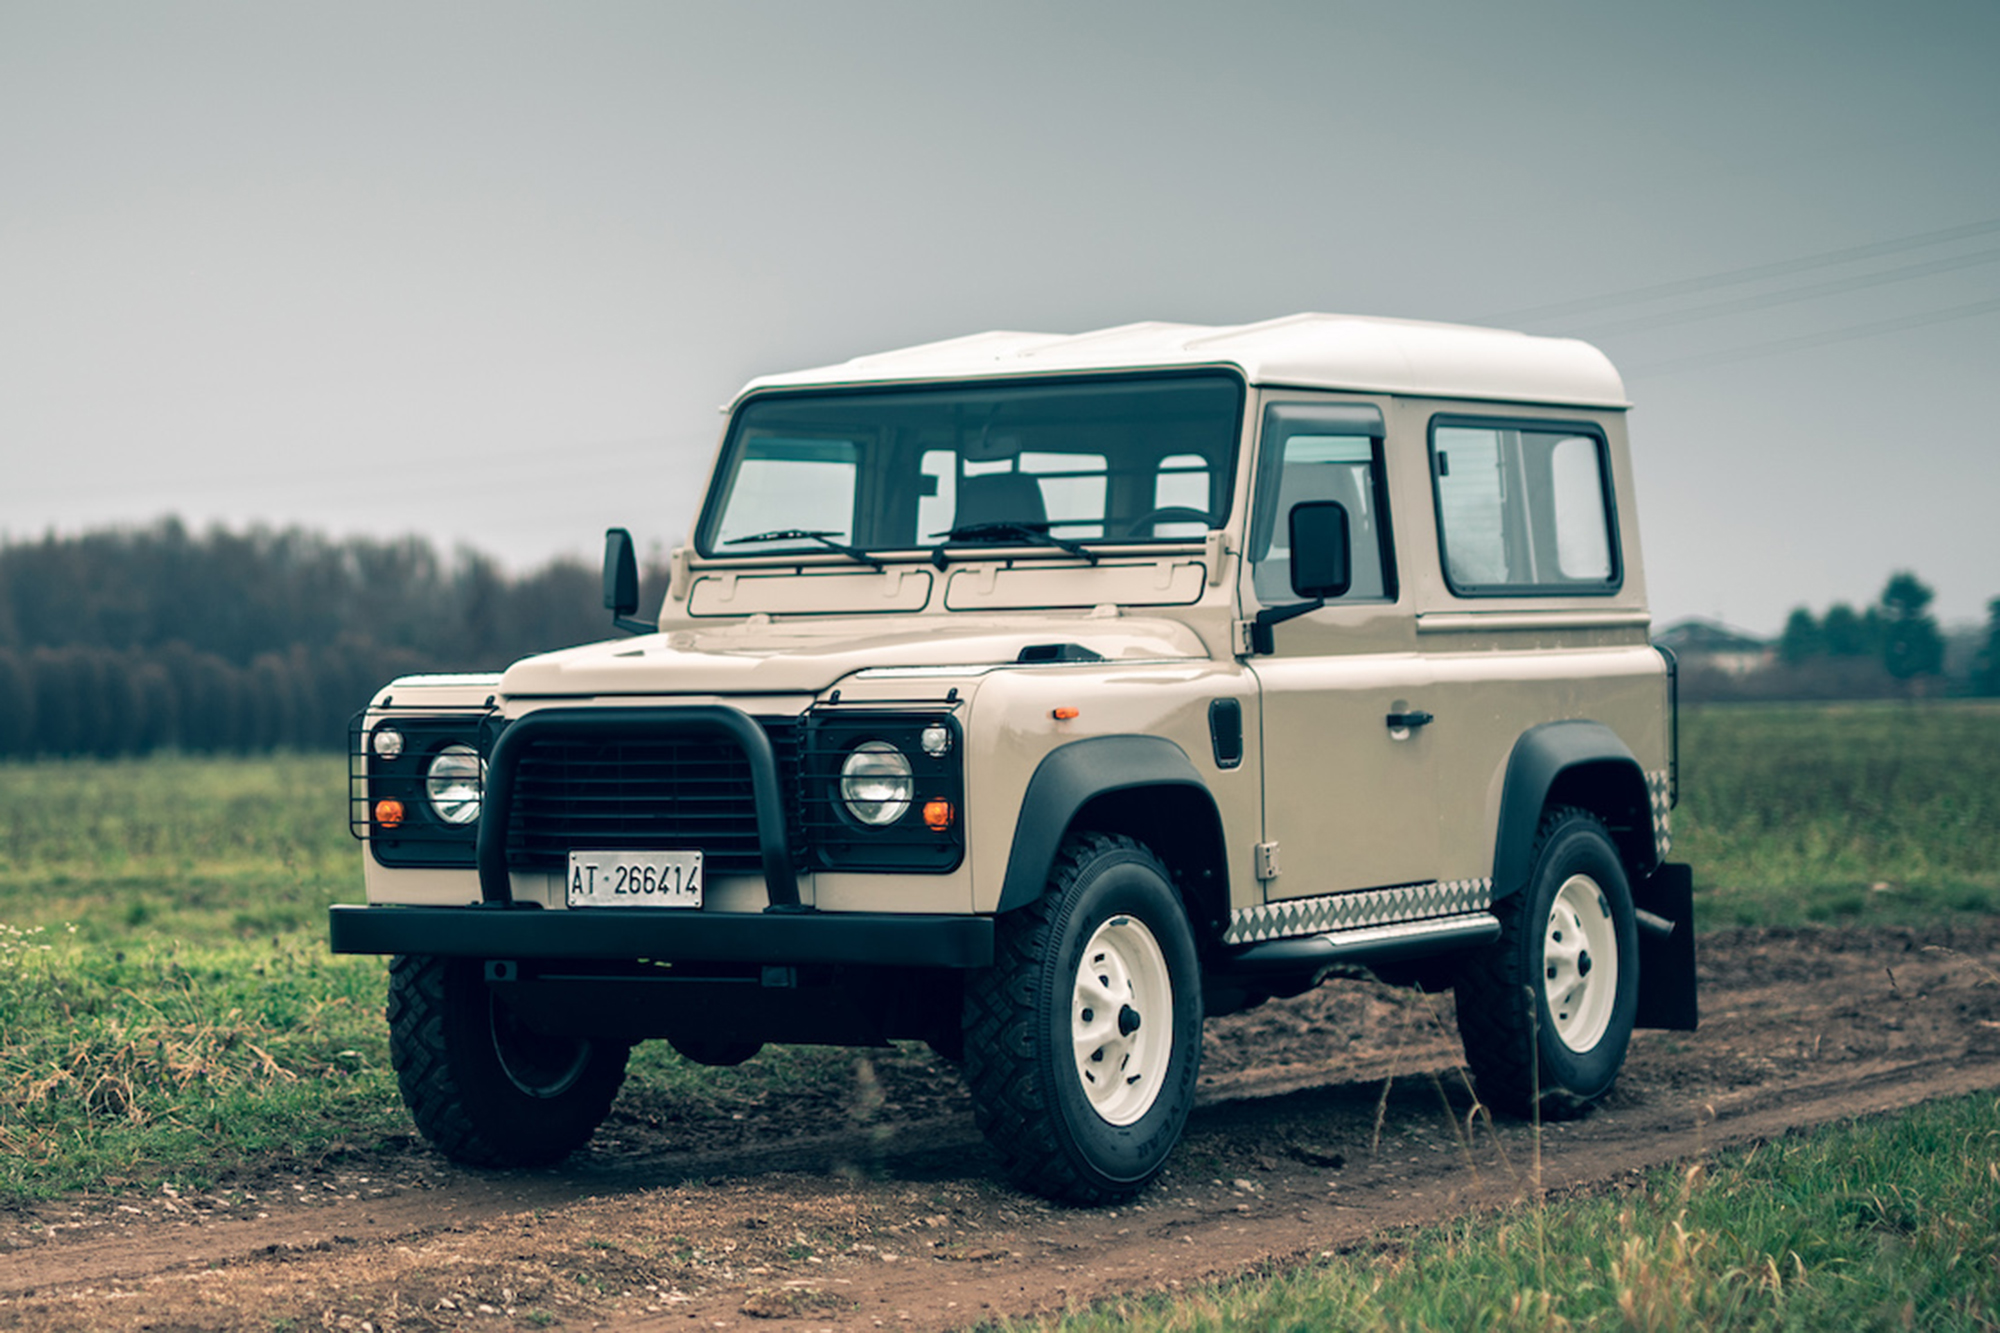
(1000, 497)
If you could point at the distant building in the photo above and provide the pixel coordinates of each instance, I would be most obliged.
(1715, 646)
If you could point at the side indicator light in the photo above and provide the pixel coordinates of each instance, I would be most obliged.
(938, 815)
(388, 813)
(1064, 714)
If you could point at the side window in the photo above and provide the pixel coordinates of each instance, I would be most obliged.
(1181, 483)
(1315, 452)
(1065, 491)
(1522, 507)
(937, 498)
(1073, 490)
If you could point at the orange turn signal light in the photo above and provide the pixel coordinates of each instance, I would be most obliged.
(1064, 714)
(938, 815)
(388, 813)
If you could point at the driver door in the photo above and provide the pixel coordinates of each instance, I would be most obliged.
(1350, 800)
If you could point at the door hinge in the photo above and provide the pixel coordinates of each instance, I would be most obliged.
(1241, 642)
(1267, 860)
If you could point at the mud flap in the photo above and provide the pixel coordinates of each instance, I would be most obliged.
(1666, 957)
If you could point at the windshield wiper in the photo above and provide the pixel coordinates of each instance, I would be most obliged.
(824, 538)
(1037, 533)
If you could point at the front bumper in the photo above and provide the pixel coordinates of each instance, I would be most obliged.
(782, 938)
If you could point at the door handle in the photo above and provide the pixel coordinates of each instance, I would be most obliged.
(1409, 721)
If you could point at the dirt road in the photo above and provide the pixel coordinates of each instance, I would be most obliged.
(1325, 1119)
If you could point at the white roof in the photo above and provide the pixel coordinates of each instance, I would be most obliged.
(1353, 352)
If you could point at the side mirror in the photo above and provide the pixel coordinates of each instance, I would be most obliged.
(621, 582)
(1322, 564)
(1321, 568)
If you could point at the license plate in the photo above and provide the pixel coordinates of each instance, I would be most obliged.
(635, 879)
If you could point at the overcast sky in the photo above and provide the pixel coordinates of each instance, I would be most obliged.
(484, 271)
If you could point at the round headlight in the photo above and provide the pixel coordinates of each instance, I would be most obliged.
(875, 783)
(454, 782)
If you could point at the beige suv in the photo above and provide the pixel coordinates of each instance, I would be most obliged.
(1036, 697)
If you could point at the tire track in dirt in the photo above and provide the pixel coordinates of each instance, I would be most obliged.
(1324, 1120)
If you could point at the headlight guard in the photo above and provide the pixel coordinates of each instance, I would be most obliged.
(415, 800)
(874, 791)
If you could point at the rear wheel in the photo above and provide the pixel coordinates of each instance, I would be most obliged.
(1083, 1040)
(1546, 1011)
(484, 1088)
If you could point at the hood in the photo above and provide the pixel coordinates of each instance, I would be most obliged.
(762, 656)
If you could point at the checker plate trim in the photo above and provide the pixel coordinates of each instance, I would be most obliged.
(1349, 911)
(1659, 787)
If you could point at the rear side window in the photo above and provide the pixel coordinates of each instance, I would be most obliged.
(1523, 507)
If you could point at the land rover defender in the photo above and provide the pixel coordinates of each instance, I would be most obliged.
(1037, 697)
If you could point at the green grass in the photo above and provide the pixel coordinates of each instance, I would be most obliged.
(1883, 813)
(168, 1009)
(210, 853)
(1882, 1224)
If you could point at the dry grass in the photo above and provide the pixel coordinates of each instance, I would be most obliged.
(1878, 1224)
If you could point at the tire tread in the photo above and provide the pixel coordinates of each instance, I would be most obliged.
(1011, 1102)
(446, 1110)
(1498, 1009)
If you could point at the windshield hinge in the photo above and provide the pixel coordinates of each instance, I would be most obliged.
(678, 574)
(1215, 550)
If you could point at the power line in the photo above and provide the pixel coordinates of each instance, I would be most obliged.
(414, 467)
(1830, 336)
(1831, 287)
(1735, 277)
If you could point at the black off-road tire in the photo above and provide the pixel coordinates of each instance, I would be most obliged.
(1512, 995)
(1036, 1093)
(483, 1089)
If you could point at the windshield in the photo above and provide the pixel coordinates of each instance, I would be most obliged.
(1058, 463)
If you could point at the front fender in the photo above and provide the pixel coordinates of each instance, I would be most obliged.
(1071, 777)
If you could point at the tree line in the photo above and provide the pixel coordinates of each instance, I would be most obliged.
(131, 640)
(1892, 648)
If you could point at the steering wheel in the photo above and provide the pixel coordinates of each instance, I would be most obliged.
(1170, 514)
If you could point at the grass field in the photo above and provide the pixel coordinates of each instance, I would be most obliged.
(1882, 1224)
(167, 1003)
(1840, 812)
(168, 1009)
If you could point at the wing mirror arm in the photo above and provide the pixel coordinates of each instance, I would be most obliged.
(1262, 642)
(621, 583)
(1322, 567)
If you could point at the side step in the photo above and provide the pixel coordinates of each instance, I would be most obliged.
(1370, 944)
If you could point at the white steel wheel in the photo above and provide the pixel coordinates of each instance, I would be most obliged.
(1580, 963)
(1120, 1028)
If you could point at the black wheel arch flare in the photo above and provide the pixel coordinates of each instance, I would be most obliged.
(1578, 763)
(1144, 786)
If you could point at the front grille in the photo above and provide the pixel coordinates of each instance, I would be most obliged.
(681, 793)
